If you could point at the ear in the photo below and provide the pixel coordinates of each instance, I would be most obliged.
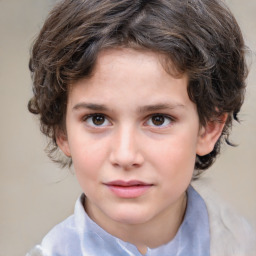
(209, 134)
(62, 142)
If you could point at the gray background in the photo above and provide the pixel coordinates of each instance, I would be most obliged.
(34, 193)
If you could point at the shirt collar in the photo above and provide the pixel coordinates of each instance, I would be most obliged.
(192, 238)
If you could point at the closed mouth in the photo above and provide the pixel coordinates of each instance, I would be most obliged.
(131, 183)
(128, 189)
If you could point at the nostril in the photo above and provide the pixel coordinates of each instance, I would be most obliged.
(126, 161)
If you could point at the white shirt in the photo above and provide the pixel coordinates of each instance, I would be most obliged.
(78, 235)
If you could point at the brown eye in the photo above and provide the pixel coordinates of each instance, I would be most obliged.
(158, 120)
(98, 119)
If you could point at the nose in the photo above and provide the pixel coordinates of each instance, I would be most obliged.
(125, 151)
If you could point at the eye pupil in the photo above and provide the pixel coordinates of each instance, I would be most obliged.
(98, 119)
(158, 120)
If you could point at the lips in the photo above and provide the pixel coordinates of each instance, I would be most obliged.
(127, 183)
(128, 189)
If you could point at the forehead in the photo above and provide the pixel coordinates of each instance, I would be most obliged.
(145, 57)
(123, 72)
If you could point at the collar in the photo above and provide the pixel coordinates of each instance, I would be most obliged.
(192, 238)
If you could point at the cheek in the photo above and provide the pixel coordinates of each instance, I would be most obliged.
(177, 160)
(176, 156)
(88, 165)
(88, 156)
(175, 172)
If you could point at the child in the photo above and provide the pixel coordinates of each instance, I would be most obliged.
(139, 95)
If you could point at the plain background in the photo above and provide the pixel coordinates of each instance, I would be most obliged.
(34, 193)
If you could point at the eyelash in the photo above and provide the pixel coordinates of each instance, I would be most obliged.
(95, 115)
(165, 117)
(89, 118)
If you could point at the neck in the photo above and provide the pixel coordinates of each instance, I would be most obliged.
(154, 233)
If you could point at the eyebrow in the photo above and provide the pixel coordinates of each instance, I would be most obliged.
(147, 108)
(92, 106)
(161, 106)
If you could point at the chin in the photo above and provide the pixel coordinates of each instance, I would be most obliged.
(130, 217)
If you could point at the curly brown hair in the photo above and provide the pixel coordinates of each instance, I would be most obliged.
(200, 37)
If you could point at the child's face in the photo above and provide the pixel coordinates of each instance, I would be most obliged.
(133, 134)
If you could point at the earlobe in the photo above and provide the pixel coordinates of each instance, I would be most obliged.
(209, 134)
(62, 142)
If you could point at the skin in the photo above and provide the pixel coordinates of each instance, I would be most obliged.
(132, 121)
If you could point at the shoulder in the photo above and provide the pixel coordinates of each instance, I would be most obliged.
(230, 233)
(57, 240)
